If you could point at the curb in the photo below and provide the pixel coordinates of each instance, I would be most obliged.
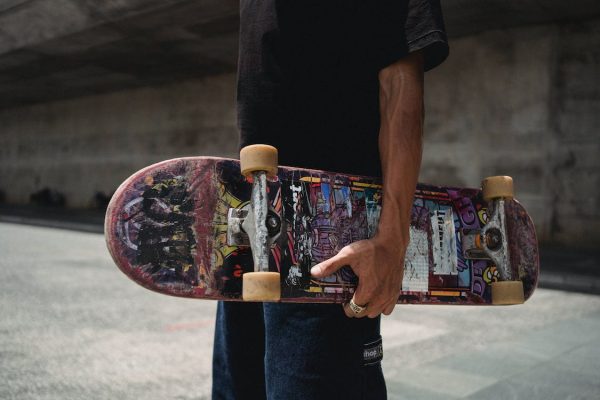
(47, 223)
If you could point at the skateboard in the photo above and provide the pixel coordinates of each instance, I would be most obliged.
(191, 227)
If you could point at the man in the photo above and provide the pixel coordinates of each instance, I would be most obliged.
(338, 86)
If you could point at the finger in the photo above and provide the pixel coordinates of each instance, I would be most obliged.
(363, 296)
(375, 311)
(381, 305)
(350, 312)
(329, 266)
(387, 303)
(389, 308)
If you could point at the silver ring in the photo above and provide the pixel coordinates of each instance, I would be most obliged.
(355, 307)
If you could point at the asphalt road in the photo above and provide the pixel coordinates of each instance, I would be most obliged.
(73, 327)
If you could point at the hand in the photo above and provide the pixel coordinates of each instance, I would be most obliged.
(379, 265)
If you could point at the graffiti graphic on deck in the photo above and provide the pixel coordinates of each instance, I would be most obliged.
(157, 225)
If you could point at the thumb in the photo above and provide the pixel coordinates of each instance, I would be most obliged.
(329, 266)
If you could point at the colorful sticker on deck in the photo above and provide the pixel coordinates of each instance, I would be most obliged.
(373, 207)
(416, 264)
(444, 242)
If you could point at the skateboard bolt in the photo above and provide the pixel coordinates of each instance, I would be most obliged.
(493, 239)
(273, 224)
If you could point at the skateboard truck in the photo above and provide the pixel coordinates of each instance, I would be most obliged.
(489, 243)
(240, 226)
(257, 162)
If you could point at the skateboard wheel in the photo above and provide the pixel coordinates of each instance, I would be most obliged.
(258, 157)
(495, 187)
(507, 292)
(261, 286)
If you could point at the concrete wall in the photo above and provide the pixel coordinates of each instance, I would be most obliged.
(522, 101)
(91, 144)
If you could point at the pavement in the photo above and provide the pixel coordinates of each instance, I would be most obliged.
(73, 326)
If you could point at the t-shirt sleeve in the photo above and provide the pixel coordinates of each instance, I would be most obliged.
(425, 30)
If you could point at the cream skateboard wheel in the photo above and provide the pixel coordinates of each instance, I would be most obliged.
(258, 157)
(495, 187)
(507, 292)
(261, 286)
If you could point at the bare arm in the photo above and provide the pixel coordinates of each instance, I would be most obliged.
(400, 142)
(379, 262)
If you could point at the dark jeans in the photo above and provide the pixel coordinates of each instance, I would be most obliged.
(294, 351)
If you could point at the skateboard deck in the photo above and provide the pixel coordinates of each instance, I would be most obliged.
(167, 229)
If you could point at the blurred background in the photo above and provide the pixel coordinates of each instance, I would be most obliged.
(92, 91)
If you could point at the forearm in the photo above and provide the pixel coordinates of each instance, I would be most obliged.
(376, 261)
(400, 143)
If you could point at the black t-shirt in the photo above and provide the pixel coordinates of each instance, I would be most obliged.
(308, 74)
